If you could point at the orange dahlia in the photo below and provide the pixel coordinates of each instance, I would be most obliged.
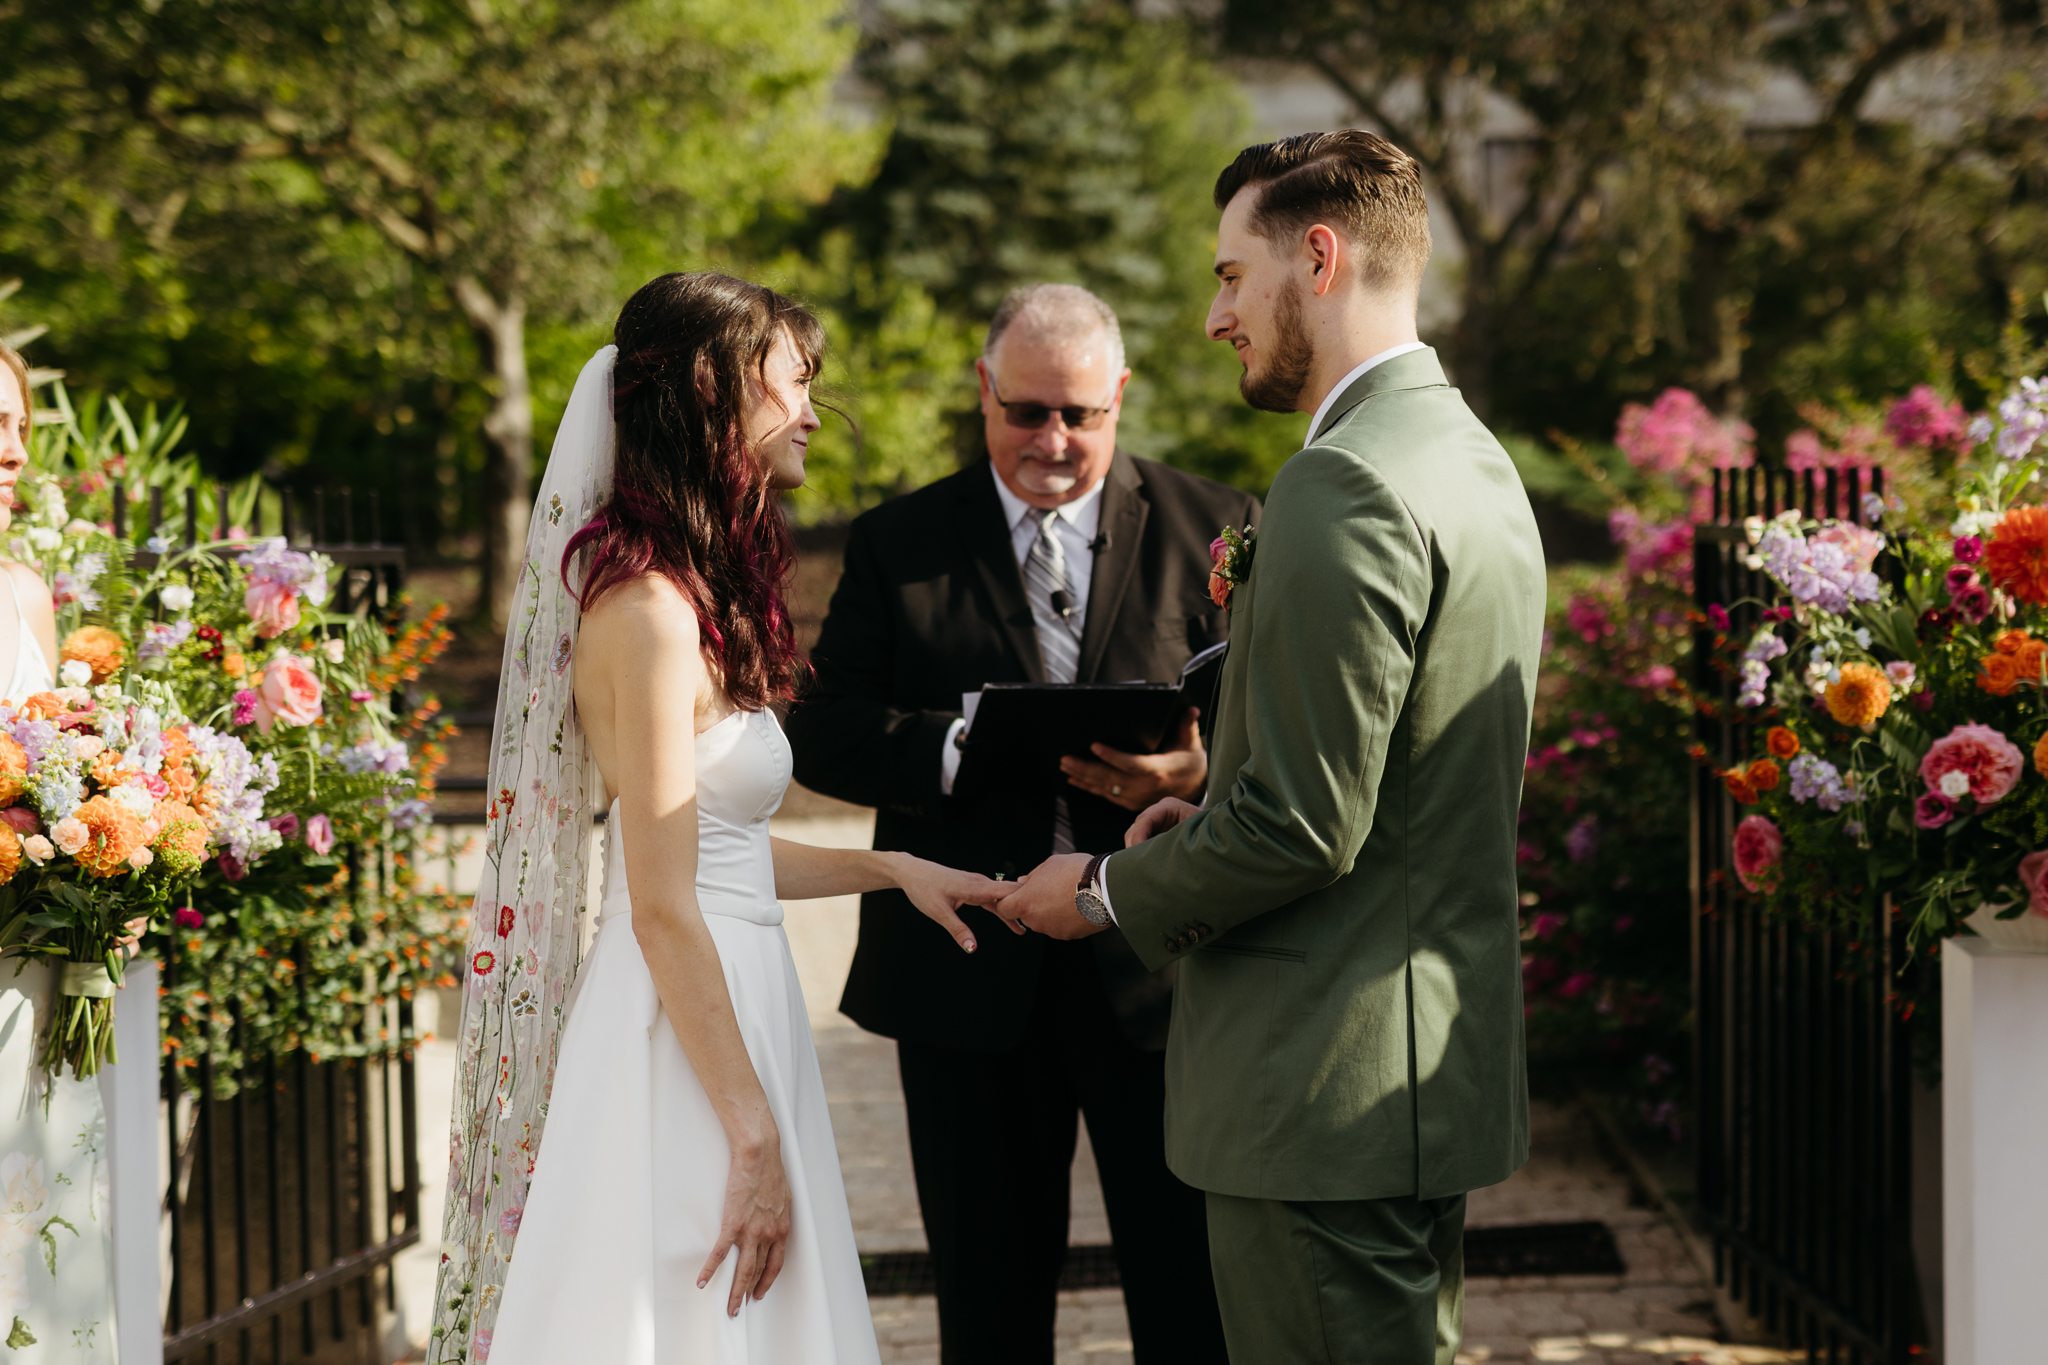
(1762, 775)
(1862, 694)
(13, 769)
(2017, 556)
(2009, 641)
(113, 837)
(2030, 659)
(1739, 786)
(1998, 674)
(10, 855)
(1781, 742)
(97, 648)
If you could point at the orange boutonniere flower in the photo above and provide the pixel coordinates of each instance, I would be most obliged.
(1231, 562)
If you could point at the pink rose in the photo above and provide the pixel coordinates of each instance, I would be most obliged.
(320, 834)
(70, 835)
(286, 825)
(1990, 760)
(38, 849)
(232, 867)
(273, 607)
(1758, 847)
(21, 820)
(1217, 548)
(288, 692)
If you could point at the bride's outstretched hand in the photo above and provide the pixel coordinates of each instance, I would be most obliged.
(940, 892)
(755, 1225)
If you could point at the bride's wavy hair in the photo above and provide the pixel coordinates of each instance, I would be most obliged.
(689, 501)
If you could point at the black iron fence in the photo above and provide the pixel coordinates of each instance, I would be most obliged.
(288, 1199)
(1801, 1061)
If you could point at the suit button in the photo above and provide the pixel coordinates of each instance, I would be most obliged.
(1171, 946)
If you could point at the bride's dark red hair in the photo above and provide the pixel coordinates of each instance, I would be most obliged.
(689, 502)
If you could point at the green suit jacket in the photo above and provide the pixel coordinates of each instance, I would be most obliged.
(1348, 1018)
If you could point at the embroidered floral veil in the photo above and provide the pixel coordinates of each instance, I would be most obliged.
(524, 941)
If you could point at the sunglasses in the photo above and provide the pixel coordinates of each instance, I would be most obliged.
(1032, 416)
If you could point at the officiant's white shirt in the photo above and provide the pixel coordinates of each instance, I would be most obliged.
(1315, 424)
(1076, 525)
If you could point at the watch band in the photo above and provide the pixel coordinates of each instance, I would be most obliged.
(1091, 879)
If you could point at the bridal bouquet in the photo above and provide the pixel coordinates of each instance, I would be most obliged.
(1903, 715)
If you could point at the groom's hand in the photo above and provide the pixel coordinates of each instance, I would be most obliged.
(1045, 900)
(1158, 819)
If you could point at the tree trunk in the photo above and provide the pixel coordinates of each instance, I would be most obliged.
(1716, 314)
(1474, 347)
(500, 327)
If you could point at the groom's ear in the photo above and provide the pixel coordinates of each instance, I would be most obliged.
(1328, 256)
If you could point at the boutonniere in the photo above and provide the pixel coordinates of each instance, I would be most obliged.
(1231, 554)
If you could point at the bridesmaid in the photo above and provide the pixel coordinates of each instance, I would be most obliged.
(53, 1174)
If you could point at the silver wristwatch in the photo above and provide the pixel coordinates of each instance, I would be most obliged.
(1088, 902)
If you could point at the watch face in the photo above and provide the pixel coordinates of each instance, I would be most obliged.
(1091, 907)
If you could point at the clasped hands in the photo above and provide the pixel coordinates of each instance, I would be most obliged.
(1044, 900)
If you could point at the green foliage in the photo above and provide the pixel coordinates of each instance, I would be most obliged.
(1034, 141)
(309, 953)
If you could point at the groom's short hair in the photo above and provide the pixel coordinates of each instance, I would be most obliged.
(1354, 181)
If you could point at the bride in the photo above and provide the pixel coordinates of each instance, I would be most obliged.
(688, 1167)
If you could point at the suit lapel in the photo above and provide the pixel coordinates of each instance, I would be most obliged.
(1124, 510)
(985, 540)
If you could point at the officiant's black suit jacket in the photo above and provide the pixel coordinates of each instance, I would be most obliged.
(932, 605)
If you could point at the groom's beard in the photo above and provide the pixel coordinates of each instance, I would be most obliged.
(1277, 388)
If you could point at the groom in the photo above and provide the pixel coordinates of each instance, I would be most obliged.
(1346, 1055)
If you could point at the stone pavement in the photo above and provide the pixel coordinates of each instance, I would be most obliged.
(1658, 1311)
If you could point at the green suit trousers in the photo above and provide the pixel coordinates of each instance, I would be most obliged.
(1339, 1281)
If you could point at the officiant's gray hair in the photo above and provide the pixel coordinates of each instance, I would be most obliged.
(1063, 314)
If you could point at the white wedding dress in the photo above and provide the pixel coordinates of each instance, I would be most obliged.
(629, 1183)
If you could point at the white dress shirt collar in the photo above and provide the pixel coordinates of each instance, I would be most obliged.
(1083, 514)
(1316, 422)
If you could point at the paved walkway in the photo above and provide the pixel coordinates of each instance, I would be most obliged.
(1659, 1311)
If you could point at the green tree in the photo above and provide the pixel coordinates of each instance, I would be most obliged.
(1580, 80)
(1031, 141)
(509, 162)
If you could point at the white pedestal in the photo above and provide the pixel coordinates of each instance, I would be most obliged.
(128, 1089)
(1994, 1133)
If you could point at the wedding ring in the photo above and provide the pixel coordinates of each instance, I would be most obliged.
(1115, 790)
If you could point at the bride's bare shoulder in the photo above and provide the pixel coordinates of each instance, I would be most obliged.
(648, 611)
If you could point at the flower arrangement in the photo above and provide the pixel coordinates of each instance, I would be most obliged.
(1907, 715)
(293, 911)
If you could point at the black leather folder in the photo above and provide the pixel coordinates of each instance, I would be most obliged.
(1020, 731)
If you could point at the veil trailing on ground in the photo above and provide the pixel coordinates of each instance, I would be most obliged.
(524, 942)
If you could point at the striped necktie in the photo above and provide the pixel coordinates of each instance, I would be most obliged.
(1059, 620)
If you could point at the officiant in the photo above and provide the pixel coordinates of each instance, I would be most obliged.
(1058, 558)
